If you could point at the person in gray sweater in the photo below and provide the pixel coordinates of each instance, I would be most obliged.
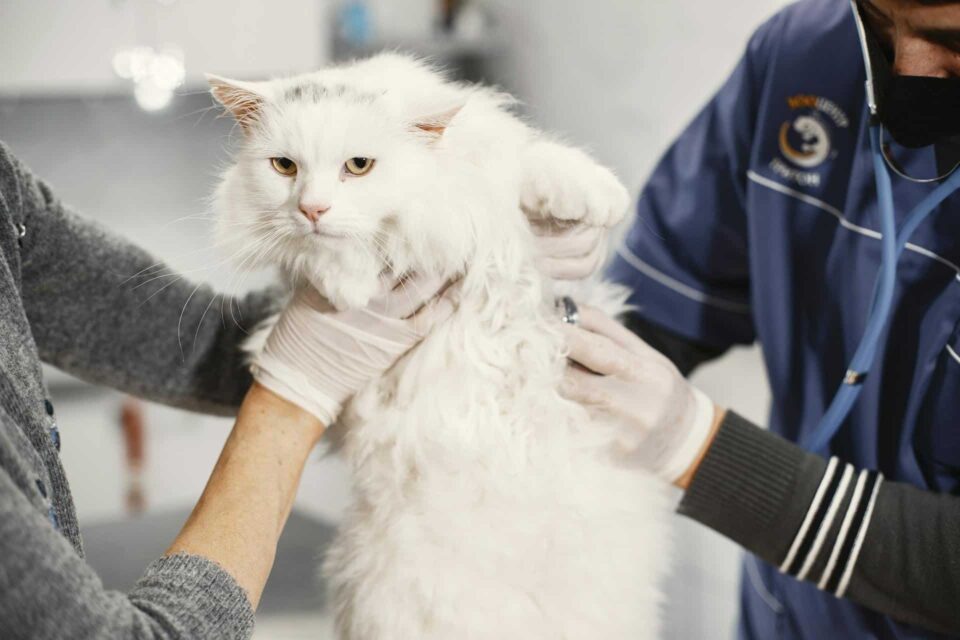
(67, 298)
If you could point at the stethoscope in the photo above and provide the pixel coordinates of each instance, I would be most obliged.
(893, 242)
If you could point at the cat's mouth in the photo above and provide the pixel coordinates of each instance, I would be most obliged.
(321, 233)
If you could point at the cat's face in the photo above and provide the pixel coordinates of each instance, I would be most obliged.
(334, 182)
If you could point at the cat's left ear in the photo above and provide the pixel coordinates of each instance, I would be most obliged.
(434, 125)
(244, 100)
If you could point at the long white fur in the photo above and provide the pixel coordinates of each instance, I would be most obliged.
(485, 505)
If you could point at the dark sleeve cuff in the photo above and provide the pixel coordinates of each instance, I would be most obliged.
(753, 487)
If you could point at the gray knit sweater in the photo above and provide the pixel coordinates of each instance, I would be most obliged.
(65, 299)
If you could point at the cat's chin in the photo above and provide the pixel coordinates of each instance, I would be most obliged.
(345, 292)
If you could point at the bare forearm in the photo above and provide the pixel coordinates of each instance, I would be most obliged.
(248, 498)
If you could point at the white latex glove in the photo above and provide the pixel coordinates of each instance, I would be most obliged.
(664, 421)
(569, 252)
(317, 357)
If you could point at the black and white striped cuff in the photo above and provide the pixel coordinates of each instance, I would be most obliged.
(842, 493)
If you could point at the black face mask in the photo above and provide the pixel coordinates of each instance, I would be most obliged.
(916, 110)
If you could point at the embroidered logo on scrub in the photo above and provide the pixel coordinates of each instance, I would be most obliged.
(805, 140)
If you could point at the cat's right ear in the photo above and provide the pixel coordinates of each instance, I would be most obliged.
(435, 124)
(244, 100)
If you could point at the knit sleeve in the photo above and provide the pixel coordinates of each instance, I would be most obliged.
(108, 312)
(48, 591)
(886, 545)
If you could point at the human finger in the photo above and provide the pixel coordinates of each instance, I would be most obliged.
(407, 295)
(567, 242)
(595, 320)
(437, 310)
(575, 268)
(582, 387)
(594, 351)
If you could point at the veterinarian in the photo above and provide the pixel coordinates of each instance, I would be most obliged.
(769, 220)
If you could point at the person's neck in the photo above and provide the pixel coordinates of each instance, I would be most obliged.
(947, 154)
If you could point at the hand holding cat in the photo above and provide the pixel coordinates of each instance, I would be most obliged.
(569, 252)
(572, 203)
(664, 421)
(318, 357)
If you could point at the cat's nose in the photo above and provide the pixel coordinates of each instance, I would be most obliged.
(313, 211)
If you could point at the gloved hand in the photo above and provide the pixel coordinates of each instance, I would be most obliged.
(664, 422)
(569, 252)
(317, 357)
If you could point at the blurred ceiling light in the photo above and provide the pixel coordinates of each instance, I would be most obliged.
(155, 74)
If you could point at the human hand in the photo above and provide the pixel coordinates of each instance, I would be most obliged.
(569, 252)
(318, 357)
(664, 421)
(572, 202)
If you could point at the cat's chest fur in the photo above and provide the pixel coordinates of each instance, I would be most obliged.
(477, 486)
(469, 385)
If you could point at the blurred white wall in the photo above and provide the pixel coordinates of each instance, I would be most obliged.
(53, 48)
(621, 77)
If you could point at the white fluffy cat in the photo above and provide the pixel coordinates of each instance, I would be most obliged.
(485, 505)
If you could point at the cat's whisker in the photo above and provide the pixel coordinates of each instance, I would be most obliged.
(383, 252)
(157, 277)
(180, 320)
(174, 281)
(203, 111)
(164, 264)
(193, 293)
(255, 252)
(196, 334)
(381, 248)
(229, 299)
(232, 300)
(192, 216)
(182, 272)
(230, 306)
(363, 245)
(156, 265)
(266, 246)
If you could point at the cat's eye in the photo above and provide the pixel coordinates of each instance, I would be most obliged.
(358, 166)
(284, 166)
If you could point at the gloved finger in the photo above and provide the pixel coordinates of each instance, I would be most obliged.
(567, 242)
(596, 352)
(437, 310)
(583, 387)
(407, 296)
(573, 268)
(312, 299)
(592, 319)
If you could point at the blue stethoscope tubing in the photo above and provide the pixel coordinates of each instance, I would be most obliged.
(893, 244)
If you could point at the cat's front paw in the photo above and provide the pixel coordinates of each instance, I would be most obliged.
(564, 183)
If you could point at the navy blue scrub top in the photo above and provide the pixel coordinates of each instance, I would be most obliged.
(760, 224)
